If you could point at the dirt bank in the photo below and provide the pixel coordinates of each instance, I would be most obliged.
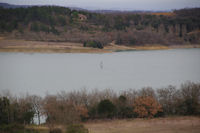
(69, 47)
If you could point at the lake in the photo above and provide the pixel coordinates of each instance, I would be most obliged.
(42, 73)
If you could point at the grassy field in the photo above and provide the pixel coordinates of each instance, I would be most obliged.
(158, 125)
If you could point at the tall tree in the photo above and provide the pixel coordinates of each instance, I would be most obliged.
(36, 102)
(146, 106)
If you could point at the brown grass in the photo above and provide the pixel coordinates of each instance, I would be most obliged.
(45, 47)
(158, 125)
(155, 47)
(184, 124)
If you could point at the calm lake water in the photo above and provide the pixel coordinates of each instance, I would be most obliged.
(41, 73)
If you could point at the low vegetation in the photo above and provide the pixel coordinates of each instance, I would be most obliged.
(70, 109)
(76, 128)
(55, 130)
(94, 44)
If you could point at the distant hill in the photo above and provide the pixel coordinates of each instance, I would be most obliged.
(6, 5)
(54, 23)
(127, 11)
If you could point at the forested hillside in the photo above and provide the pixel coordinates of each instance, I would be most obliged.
(52, 23)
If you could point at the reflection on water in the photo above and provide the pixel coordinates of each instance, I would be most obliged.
(50, 73)
(101, 64)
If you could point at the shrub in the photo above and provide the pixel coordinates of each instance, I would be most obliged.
(92, 112)
(75, 14)
(9, 128)
(76, 128)
(30, 131)
(94, 44)
(106, 108)
(122, 99)
(126, 112)
(56, 130)
(15, 128)
(82, 111)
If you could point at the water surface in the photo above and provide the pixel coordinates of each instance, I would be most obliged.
(41, 73)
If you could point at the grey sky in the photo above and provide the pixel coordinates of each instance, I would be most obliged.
(114, 4)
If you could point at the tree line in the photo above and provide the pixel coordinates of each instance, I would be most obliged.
(179, 27)
(79, 106)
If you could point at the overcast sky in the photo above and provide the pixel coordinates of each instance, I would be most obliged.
(113, 4)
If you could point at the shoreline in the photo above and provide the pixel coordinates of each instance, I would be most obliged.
(69, 47)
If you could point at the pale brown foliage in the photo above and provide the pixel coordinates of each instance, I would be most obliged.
(60, 111)
(82, 111)
(146, 106)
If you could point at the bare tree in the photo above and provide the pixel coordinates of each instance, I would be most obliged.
(147, 91)
(60, 111)
(36, 102)
(166, 97)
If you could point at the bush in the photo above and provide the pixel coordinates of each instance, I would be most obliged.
(76, 128)
(92, 112)
(15, 128)
(106, 108)
(126, 112)
(11, 128)
(94, 44)
(30, 131)
(56, 130)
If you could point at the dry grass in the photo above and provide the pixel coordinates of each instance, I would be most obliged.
(41, 129)
(155, 47)
(159, 125)
(47, 47)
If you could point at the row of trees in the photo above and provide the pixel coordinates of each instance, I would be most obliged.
(66, 108)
